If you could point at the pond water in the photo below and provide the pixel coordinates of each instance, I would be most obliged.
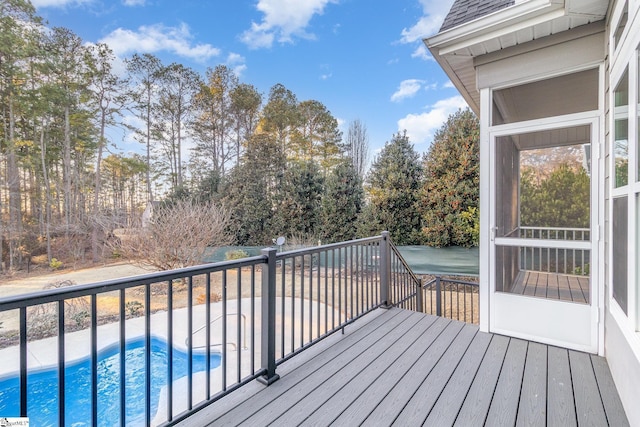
(421, 259)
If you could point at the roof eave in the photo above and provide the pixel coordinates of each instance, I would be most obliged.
(484, 28)
(490, 25)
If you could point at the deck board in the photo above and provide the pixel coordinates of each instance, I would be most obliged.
(480, 393)
(386, 412)
(608, 393)
(369, 395)
(340, 354)
(553, 286)
(450, 400)
(347, 382)
(589, 407)
(404, 368)
(561, 405)
(414, 412)
(532, 409)
(504, 405)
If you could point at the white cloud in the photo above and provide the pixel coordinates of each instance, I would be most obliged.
(282, 20)
(58, 3)
(434, 12)
(448, 85)
(133, 2)
(422, 53)
(158, 37)
(237, 63)
(422, 127)
(407, 89)
(326, 76)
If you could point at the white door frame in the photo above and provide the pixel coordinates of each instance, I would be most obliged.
(550, 321)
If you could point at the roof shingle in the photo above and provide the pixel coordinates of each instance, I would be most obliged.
(464, 11)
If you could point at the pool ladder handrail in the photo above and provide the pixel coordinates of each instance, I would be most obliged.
(235, 346)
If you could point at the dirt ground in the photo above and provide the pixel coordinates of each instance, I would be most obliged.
(35, 281)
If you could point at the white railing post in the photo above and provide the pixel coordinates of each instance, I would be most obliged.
(268, 302)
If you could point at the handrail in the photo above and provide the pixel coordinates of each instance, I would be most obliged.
(187, 340)
(404, 262)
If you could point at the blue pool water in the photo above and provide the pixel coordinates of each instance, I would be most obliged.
(42, 397)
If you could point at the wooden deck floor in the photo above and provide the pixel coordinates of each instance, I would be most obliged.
(398, 367)
(555, 286)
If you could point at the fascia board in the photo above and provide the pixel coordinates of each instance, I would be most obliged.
(450, 72)
(508, 20)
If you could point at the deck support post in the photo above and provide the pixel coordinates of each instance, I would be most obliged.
(268, 301)
(419, 305)
(385, 270)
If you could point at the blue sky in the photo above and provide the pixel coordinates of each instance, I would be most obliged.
(361, 58)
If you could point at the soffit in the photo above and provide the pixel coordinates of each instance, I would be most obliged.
(456, 48)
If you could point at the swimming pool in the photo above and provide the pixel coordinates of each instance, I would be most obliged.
(42, 397)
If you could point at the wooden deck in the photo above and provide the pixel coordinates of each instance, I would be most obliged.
(564, 287)
(397, 367)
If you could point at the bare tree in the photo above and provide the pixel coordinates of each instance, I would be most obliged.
(178, 235)
(358, 146)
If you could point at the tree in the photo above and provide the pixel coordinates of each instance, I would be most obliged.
(342, 203)
(178, 85)
(357, 146)
(249, 190)
(316, 136)
(105, 93)
(450, 195)
(299, 201)
(560, 200)
(18, 35)
(178, 235)
(245, 108)
(214, 122)
(144, 72)
(280, 115)
(392, 185)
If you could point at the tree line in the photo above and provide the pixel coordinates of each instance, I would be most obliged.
(277, 165)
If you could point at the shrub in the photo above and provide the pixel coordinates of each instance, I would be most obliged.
(235, 254)
(55, 264)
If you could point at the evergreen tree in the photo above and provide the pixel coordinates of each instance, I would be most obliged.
(299, 200)
(249, 191)
(342, 203)
(560, 200)
(393, 184)
(450, 195)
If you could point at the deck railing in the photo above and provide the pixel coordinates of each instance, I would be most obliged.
(555, 260)
(248, 315)
(452, 298)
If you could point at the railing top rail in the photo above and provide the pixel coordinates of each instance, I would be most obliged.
(52, 295)
(403, 261)
(554, 228)
(328, 247)
(447, 280)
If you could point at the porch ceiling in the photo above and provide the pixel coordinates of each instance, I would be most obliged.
(456, 48)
